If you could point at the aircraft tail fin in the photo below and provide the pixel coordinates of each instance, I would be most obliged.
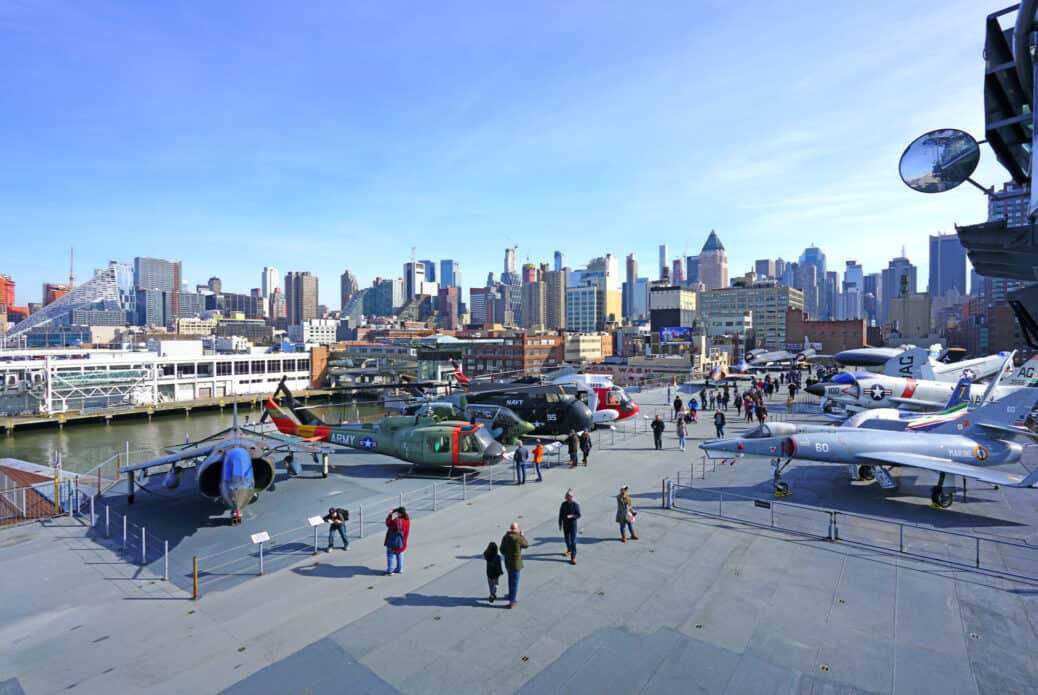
(458, 374)
(1026, 375)
(960, 394)
(1007, 412)
(298, 413)
(910, 364)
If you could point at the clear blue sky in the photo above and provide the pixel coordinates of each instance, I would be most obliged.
(329, 135)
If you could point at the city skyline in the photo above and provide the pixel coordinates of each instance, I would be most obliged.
(122, 163)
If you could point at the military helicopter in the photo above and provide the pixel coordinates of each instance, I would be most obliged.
(424, 440)
(502, 423)
(232, 466)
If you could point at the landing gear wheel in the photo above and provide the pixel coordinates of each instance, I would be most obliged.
(865, 473)
(940, 498)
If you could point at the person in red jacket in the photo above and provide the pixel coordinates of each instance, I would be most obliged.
(398, 526)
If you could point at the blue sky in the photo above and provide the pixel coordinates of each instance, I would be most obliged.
(330, 135)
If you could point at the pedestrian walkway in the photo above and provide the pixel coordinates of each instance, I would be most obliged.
(694, 606)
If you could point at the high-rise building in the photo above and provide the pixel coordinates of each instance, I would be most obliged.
(664, 264)
(554, 299)
(214, 284)
(510, 260)
(478, 305)
(780, 268)
(691, 270)
(347, 288)
(529, 273)
(765, 268)
(380, 299)
(872, 300)
(157, 275)
(277, 307)
(1010, 204)
(300, 296)
(608, 266)
(630, 283)
(430, 270)
(414, 276)
(677, 274)
(560, 261)
(713, 263)
(582, 311)
(533, 304)
(6, 290)
(767, 305)
(270, 281)
(853, 292)
(449, 275)
(813, 255)
(898, 278)
(947, 265)
(449, 307)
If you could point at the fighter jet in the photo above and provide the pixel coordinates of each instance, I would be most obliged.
(968, 446)
(232, 466)
(856, 391)
(762, 358)
(909, 361)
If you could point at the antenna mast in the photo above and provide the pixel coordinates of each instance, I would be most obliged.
(71, 276)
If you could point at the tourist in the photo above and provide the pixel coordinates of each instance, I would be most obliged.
(398, 527)
(573, 444)
(657, 432)
(682, 429)
(585, 444)
(512, 546)
(625, 515)
(494, 570)
(569, 512)
(336, 520)
(677, 406)
(519, 458)
(719, 422)
(538, 456)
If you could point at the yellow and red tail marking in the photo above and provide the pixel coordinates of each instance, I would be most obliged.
(288, 424)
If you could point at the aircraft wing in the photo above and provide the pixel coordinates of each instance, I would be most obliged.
(919, 402)
(195, 453)
(1004, 431)
(942, 465)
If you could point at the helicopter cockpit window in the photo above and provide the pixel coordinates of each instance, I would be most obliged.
(468, 443)
(440, 444)
(551, 397)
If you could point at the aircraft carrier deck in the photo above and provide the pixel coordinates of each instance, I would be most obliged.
(697, 605)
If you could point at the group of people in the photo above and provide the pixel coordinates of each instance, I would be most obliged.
(751, 404)
(398, 528)
(576, 444)
(510, 552)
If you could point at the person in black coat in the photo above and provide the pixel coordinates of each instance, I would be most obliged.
(569, 512)
(657, 432)
(585, 444)
(494, 569)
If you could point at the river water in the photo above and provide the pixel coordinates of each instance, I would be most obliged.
(84, 445)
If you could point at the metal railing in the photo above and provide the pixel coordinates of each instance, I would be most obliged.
(999, 556)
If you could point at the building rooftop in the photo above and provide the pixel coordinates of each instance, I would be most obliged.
(713, 243)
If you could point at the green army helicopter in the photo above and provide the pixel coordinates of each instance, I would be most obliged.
(424, 440)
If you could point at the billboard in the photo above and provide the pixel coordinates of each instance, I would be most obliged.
(676, 334)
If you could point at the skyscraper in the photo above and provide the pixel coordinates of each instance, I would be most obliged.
(691, 270)
(1010, 203)
(947, 265)
(764, 268)
(510, 260)
(270, 281)
(713, 263)
(664, 266)
(853, 291)
(347, 288)
(449, 275)
(560, 261)
(630, 284)
(529, 273)
(157, 275)
(414, 276)
(899, 277)
(300, 297)
(430, 270)
(677, 275)
(554, 299)
(215, 285)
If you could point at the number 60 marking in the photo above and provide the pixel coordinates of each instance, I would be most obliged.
(822, 447)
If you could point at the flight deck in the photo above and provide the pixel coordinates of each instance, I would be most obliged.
(698, 604)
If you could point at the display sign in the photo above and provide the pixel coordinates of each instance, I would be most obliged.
(676, 334)
(261, 537)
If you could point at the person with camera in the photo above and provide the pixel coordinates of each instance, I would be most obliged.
(512, 546)
(625, 515)
(398, 527)
(336, 520)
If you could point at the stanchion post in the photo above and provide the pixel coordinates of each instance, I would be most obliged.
(93, 517)
(401, 499)
(194, 578)
(977, 542)
(434, 497)
(108, 521)
(901, 538)
(361, 512)
(144, 545)
(124, 533)
(663, 494)
(165, 560)
(315, 540)
(464, 489)
(261, 559)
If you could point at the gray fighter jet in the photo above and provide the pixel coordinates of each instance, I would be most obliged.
(968, 446)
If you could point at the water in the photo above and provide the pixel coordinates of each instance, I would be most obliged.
(84, 445)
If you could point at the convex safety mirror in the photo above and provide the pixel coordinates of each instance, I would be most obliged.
(939, 161)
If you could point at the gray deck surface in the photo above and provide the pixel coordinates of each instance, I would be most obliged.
(696, 605)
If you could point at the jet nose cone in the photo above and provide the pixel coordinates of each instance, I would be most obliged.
(816, 389)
